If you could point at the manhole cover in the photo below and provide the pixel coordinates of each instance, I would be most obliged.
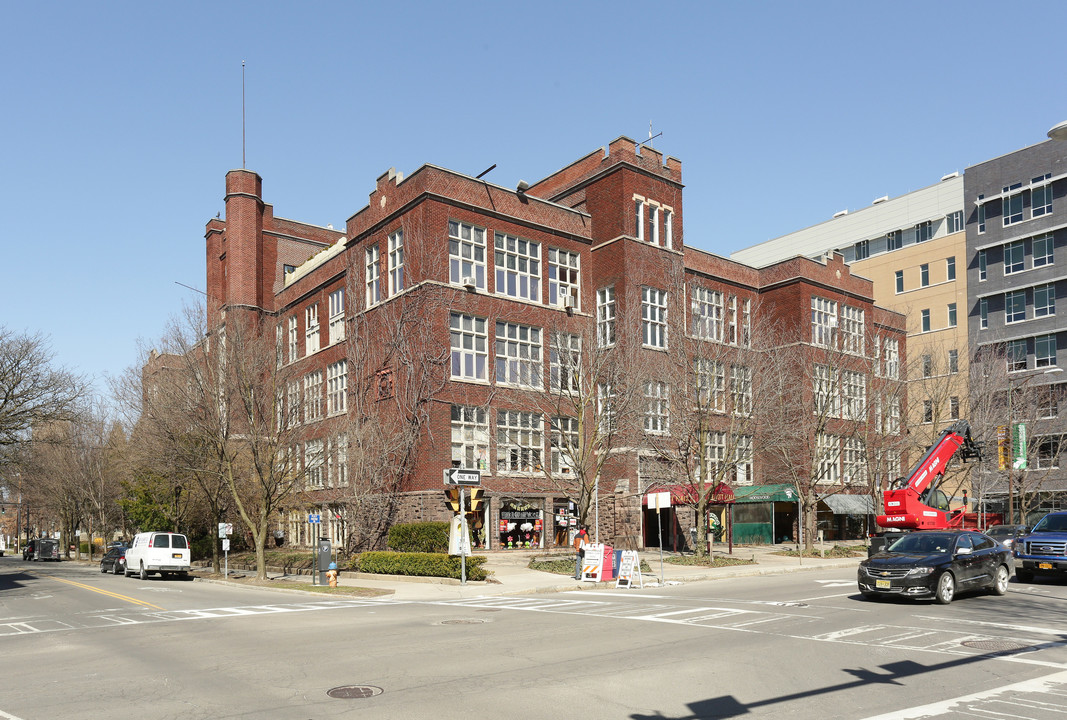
(354, 692)
(994, 645)
(464, 621)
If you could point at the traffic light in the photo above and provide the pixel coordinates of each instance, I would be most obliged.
(477, 500)
(452, 500)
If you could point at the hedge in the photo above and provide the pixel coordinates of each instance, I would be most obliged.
(421, 564)
(424, 537)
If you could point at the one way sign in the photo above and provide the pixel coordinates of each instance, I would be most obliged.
(458, 476)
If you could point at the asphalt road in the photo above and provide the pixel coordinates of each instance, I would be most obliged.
(77, 644)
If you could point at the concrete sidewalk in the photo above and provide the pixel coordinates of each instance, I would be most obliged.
(511, 576)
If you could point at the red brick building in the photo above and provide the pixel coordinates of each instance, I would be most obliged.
(452, 320)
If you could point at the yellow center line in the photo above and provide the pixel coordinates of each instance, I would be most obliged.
(117, 596)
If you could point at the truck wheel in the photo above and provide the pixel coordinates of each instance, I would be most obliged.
(1000, 580)
(144, 573)
(1023, 576)
(946, 588)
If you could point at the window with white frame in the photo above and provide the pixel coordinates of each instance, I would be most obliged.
(311, 333)
(1045, 351)
(1012, 204)
(1016, 355)
(953, 361)
(668, 229)
(1043, 249)
(954, 221)
(337, 387)
(827, 403)
(1044, 300)
(743, 460)
(657, 410)
(1014, 257)
(374, 285)
(950, 268)
(313, 396)
(470, 437)
(852, 330)
(564, 361)
(892, 416)
(340, 466)
(706, 311)
(639, 218)
(711, 384)
(1015, 306)
(741, 390)
(854, 392)
(731, 321)
(396, 262)
(466, 254)
(894, 240)
(928, 365)
(279, 357)
(605, 316)
(1047, 452)
(954, 408)
(313, 462)
(924, 275)
(653, 317)
(862, 249)
(928, 411)
(1049, 401)
(607, 421)
(746, 324)
(293, 339)
(854, 462)
(653, 224)
(292, 403)
(518, 267)
(983, 314)
(982, 273)
(518, 355)
(823, 320)
(924, 231)
(924, 318)
(563, 268)
(563, 441)
(714, 456)
(828, 459)
(981, 214)
(899, 281)
(891, 358)
(470, 354)
(337, 315)
(519, 441)
(1041, 196)
(952, 314)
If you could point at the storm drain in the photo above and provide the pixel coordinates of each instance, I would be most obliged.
(354, 692)
(995, 645)
(464, 621)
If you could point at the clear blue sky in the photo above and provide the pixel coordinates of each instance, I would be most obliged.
(120, 120)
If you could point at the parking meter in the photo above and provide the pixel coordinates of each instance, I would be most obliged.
(324, 558)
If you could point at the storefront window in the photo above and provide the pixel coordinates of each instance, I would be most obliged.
(566, 522)
(521, 524)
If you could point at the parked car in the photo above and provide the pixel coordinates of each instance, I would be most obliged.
(1042, 551)
(1006, 534)
(937, 563)
(165, 553)
(114, 560)
(41, 549)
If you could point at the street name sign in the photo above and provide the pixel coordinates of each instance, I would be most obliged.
(314, 519)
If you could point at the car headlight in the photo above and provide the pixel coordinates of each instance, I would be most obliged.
(920, 571)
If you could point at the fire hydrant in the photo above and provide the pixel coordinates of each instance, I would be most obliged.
(331, 574)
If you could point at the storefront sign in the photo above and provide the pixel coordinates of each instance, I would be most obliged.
(593, 563)
(520, 514)
(629, 570)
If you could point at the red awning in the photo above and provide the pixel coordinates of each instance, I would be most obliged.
(687, 494)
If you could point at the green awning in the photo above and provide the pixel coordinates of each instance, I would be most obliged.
(765, 493)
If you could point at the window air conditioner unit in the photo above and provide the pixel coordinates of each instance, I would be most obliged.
(469, 283)
(568, 302)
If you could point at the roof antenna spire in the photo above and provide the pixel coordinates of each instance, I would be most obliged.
(652, 137)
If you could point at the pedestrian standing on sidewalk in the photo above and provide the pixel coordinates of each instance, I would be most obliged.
(579, 549)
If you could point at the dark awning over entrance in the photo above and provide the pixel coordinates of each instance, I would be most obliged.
(765, 493)
(850, 504)
(687, 494)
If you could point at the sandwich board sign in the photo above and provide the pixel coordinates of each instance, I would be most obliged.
(629, 570)
(593, 562)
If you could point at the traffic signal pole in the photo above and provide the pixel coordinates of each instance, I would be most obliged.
(465, 539)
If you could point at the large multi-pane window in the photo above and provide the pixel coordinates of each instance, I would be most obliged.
(340, 463)
(563, 442)
(924, 275)
(1043, 249)
(337, 387)
(518, 267)
(564, 361)
(928, 411)
(894, 240)
(653, 317)
(711, 384)
(743, 460)
(470, 437)
(954, 221)
(313, 396)
(563, 277)
(668, 229)
(741, 390)
(292, 403)
(928, 365)
(466, 254)
(983, 314)
(313, 462)
(924, 231)
(714, 456)
(374, 285)
(950, 268)
(1041, 196)
(852, 330)
(1015, 306)
(396, 262)
(891, 358)
(469, 349)
(1045, 351)
(519, 441)
(311, 333)
(981, 214)
(605, 316)
(854, 391)
(293, 339)
(1016, 355)
(657, 410)
(892, 416)
(854, 462)
(952, 314)
(899, 281)
(924, 318)
(518, 355)
(862, 249)
(639, 218)
(953, 361)
(823, 320)
(337, 315)
(1012, 204)
(1044, 300)
(827, 401)
(653, 224)
(707, 314)
(1014, 257)
(982, 274)
(607, 420)
(827, 453)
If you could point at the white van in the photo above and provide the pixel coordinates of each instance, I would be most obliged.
(157, 552)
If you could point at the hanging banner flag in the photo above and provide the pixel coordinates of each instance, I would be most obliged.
(1018, 446)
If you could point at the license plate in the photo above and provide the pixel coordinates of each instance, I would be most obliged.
(882, 584)
(1044, 566)
(176, 556)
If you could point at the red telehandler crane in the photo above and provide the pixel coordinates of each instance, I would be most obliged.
(907, 501)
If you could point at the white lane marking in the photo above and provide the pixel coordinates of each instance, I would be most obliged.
(848, 632)
(660, 616)
(619, 594)
(6, 716)
(836, 583)
(826, 597)
(1003, 626)
(1037, 685)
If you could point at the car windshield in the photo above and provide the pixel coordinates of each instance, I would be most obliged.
(1052, 523)
(924, 544)
(998, 531)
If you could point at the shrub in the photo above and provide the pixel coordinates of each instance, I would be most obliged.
(421, 564)
(424, 537)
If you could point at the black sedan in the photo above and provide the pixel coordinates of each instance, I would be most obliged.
(1006, 534)
(940, 563)
(114, 560)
